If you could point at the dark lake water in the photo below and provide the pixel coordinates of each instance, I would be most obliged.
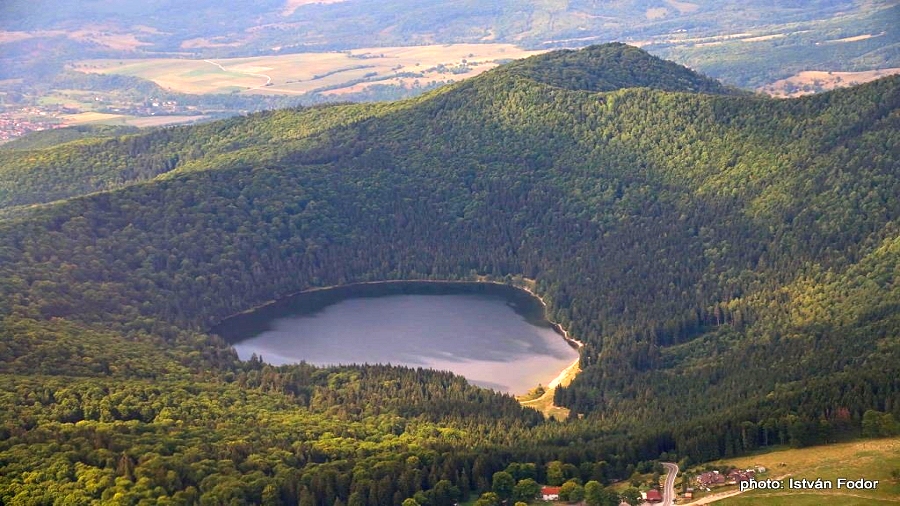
(494, 335)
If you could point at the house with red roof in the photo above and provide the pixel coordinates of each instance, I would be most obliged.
(550, 493)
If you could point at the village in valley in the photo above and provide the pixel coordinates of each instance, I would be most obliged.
(15, 125)
(641, 491)
(708, 481)
(21, 115)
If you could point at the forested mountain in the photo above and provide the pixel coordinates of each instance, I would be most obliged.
(612, 67)
(92, 166)
(729, 260)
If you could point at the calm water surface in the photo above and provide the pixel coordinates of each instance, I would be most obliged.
(493, 335)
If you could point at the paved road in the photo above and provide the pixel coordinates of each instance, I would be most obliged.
(668, 491)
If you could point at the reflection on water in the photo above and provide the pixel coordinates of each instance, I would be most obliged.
(493, 335)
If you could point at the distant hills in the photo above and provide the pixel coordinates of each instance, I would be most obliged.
(168, 26)
(93, 166)
(728, 259)
(109, 61)
(742, 42)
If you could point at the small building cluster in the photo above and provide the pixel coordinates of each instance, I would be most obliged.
(733, 477)
(12, 126)
(740, 475)
(711, 479)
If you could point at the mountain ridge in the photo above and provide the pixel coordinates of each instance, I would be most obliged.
(146, 166)
(676, 234)
(601, 68)
(614, 66)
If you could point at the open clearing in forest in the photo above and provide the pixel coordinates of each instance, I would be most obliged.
(814, 81)
(293, 5)
(871, 459)
(334, 72)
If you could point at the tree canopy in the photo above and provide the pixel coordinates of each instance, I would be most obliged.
(729, 262)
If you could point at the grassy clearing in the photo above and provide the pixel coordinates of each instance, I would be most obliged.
(305, 72)
(683, 7)
(154, 121)
(77, 99)
(85, 118)
(806, 500)
(869, 459)
(814, 81)
(856, 38)
(186, 76)
(655, 13)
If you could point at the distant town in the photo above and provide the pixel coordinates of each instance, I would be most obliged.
(19, 119)
(13, 125)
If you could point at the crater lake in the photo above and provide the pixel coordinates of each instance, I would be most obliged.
(496, 336)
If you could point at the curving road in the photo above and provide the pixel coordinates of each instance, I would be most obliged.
(668, 491)
(223, 69)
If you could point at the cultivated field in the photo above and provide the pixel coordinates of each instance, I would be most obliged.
(99, 118)
(334, 72)
(869, 459)
(814, 81)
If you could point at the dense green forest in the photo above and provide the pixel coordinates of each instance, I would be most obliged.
(49, 138)
(729, 260)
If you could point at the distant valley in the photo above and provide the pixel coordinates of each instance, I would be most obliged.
(327, 74)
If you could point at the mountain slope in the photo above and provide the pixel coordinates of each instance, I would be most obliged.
(677, 234)
(77, 169)
(49, 138)
(42, 176)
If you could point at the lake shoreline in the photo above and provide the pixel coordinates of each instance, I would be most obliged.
(575, 343)
(556, 326)
(524, 287)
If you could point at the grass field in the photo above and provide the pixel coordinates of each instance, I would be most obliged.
(186, 76)
(304, 72)
(99, 118)
(869, 459)
(83, 100)
(814, 81)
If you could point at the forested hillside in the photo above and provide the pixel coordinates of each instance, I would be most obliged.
(91, 165)
(729, 260)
